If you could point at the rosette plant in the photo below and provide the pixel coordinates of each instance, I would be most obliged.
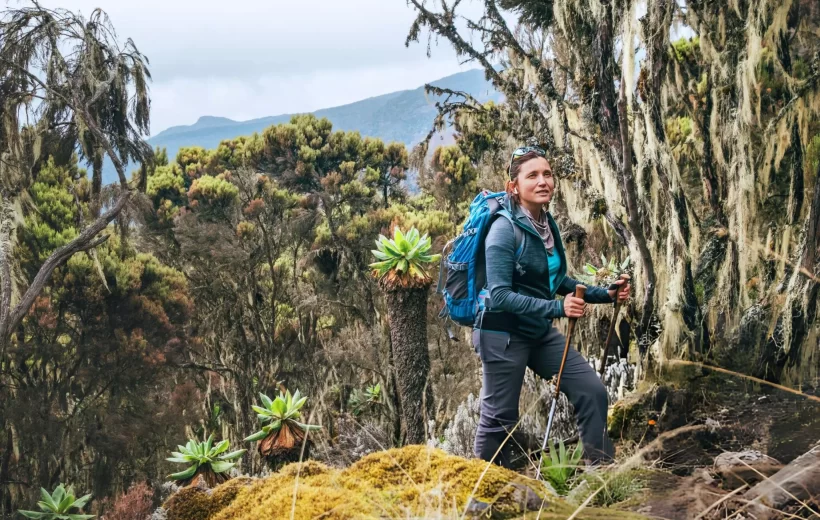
(402, 273)
(282, 434)
(205, 460)
(58, 505)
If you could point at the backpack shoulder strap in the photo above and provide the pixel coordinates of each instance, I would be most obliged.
(519, 234)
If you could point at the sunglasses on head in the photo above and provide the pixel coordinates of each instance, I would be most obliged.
(522, 151)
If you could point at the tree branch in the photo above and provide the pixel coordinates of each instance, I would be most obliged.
(84, 241)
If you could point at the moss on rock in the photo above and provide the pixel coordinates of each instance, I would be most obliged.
(414, 481)
(189, 503)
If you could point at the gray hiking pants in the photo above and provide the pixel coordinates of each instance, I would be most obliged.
(505, 358)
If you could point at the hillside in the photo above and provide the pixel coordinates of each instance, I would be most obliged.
(403, 116)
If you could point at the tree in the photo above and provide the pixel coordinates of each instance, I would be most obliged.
(88, 372)
(454, 178)
(401, 270)
(614, 135)
(65, 83)
(388, 165)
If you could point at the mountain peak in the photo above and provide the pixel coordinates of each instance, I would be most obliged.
(213, 121)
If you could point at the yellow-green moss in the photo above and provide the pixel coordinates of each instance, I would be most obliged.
(304, 469)
(189, 503)
(414, 481)
(222, 496)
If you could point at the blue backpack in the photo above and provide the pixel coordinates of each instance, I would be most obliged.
(464, 286)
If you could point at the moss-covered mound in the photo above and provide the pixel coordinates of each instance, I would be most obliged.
(414, 481)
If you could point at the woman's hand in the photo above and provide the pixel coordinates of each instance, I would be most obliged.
(624, 288)
(574, 307)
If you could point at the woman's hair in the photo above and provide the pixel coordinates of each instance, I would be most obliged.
(515, 169)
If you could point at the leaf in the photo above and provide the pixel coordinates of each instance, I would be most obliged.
(80, 502)
(221, 466)
(46, 498)
(233, 455)
(261, 411)
(258, 436)
(380, 255)
(577, 454)
(32, 514)
(265, 401)
(299, 404)
(387, 264)
(58, 496)
(625, 264)
(400, 240)
(179, 460)
(219, 448)
(279, 407)
(414, 251)
(413, 236)
(308, 427)
(603, 260)
(208, 444)
(182, 475)
(79, 517)
(554, 455)
(391, 249)
(416, 271)
(402, 265)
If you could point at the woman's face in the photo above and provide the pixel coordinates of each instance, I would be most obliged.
(535, 182)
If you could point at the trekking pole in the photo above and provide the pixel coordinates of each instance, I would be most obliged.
(618, 303)
(580, 291)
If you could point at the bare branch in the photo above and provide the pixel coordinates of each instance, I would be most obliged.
(82, 242)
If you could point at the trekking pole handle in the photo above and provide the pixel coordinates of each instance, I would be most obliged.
(580, 292)
(625, 277)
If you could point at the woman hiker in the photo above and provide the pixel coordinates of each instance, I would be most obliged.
(516, 330)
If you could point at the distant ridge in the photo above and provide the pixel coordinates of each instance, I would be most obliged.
(405, 116)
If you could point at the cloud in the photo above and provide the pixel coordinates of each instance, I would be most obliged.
(253, 58)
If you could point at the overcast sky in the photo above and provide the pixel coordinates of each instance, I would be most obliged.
(252, 58)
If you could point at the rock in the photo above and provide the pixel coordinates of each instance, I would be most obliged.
(524, 498)
(744, 467)
(476, 508)
(731, 459)
(527, 498)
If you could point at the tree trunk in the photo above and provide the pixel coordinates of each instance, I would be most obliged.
(407, 314)
(798, 480)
